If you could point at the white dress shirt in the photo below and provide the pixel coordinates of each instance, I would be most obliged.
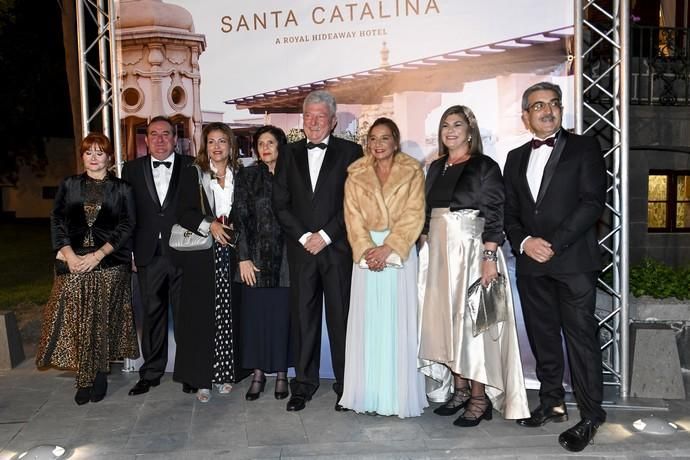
(535, 173)
(315, 157)
(161, 176)
(535, 167)
(223, 196)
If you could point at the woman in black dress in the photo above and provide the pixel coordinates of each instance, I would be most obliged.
(207, 346)
(88, 320)
(263, 269)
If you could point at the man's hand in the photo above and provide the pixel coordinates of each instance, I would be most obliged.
(538, 249)
(314, 243)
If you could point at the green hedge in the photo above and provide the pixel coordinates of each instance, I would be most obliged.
(652, 278)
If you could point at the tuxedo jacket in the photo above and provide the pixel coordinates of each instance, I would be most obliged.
(299, 209)
(153, 217)
(570, 202)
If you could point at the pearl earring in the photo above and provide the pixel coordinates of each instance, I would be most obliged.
(469, 138)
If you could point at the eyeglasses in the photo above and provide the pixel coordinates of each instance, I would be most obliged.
(555, 104)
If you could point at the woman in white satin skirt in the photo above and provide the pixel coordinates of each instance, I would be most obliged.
(462, 237)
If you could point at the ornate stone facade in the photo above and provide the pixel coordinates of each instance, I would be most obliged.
(159, 70)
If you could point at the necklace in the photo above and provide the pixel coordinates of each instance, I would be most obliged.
(218, 176)
(448, 164)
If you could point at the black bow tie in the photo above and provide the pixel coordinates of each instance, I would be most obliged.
(536, 143)
(164, 163)
(321, 145)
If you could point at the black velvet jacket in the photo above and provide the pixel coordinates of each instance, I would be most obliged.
(480, 186)
(114, 224)
(261, 238)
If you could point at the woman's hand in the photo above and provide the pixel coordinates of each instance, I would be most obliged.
(90, 261)
(74, 263)
(489, 272)
(376, 257)
(247, 272)
(218, 232)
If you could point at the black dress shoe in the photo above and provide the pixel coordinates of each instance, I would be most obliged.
(281, 394)
(296, 403)
(187, 388)
(541, 416)
(578, 437)
(143, 386)
(255, 389)
(340, 408)
(83, 395)
(100, 387)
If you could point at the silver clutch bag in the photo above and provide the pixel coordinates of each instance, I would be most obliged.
(182, 239)
(488, 306)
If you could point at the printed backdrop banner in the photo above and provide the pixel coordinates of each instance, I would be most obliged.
(252, 63)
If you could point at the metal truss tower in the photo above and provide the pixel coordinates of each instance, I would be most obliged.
(98, 70)
(602, 101)
(602, 107)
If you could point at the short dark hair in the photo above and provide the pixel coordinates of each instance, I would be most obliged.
(162, 118)
(278, 133)
(395, 131)
(202, 159)
(541, 86)
(476, 146)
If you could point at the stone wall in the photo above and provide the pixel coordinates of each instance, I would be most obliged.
(653, 132)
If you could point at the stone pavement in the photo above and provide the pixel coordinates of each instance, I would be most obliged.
(36, 407)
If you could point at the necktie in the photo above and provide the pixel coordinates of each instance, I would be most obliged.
(321, 145)
(164, 163)
(536, 143)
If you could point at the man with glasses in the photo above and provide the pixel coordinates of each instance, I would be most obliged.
(308, 193)
(555, 194)
(155, 178)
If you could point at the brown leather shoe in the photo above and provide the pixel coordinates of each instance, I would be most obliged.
(540, 416)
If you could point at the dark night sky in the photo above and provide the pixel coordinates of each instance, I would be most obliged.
(34, 89)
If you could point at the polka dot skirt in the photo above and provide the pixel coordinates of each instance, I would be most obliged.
(224, 359)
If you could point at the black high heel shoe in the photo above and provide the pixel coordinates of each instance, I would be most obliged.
(470, 418)
(100, 387)
(254, 395)
(83, 395)
(455, 403)
(281, 394)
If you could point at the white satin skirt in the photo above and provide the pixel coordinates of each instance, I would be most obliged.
(448, 264)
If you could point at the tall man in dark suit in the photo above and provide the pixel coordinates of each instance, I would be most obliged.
(154, 179)
(308, 202)
(555, 194)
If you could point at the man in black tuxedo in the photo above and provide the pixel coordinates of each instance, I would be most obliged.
(555, 194)
(308, 202)
(154, 179)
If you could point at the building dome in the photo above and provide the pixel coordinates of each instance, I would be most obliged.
(153, 13)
